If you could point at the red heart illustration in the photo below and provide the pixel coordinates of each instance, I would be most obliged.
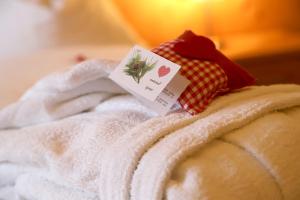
(163, 70)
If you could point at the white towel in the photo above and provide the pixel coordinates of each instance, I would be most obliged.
(149, 164)
(59, 142)
(63, 94)
(91, 143)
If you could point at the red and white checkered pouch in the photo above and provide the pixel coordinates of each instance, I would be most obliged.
(207, 78)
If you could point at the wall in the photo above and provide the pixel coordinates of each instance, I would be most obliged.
(256, 15)
(26, 27)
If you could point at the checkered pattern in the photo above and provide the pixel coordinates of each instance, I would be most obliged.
(207, 79)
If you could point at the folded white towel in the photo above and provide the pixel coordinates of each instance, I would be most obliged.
(244, 146)
(150, 162)
(63, 94)
(45, 142)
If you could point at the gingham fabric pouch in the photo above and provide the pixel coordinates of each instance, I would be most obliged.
(206, 69)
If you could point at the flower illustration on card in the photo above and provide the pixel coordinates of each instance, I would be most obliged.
(137, 66)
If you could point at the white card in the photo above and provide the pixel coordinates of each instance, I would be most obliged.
(168, 97)
(144, 73)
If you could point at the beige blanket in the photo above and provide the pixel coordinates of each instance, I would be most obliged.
(244, 146)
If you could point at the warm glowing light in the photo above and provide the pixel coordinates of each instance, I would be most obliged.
(161, 20)
(198, 0)
(157, 21)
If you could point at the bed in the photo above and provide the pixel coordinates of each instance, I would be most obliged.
(68, 138)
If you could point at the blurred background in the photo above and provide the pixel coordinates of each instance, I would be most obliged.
(43, 35)
(28, 25)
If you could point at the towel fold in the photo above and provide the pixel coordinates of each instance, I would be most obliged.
(63, 94)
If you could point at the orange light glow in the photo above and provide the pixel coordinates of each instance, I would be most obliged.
(157, 21)
(161, 20)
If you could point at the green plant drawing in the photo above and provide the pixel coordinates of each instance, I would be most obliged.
(137, 67)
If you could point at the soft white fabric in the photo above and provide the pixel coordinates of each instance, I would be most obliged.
(62, 94)
(63, 153)
(260, 161)
(244, 146)
(149, 164)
